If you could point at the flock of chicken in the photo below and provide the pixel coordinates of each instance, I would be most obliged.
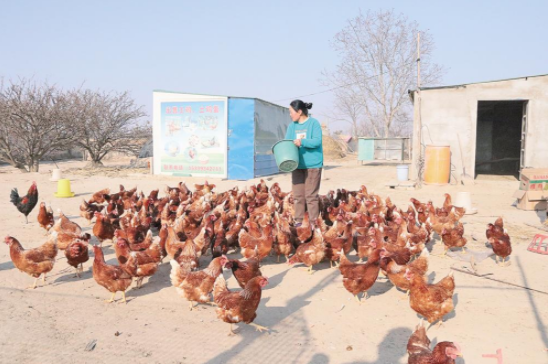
(257, 221)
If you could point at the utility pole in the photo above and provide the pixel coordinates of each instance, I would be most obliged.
(420, 160)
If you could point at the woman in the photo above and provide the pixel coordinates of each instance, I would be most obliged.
(306, 134)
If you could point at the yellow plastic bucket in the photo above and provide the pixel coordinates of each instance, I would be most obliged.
(63, 189)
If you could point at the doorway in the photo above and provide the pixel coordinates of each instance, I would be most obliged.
(500, 143)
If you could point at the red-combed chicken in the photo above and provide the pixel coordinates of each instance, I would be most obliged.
(140, 264)
(245, 270)
(35, 262)
(453, 238)
(366, 244)
(337, 244)
(418, 348)
(396, 272)
(310, 253)
(25, 204)
(77, 253)
(99, 196)
(495, 230)
(88, 210)
(239, 306)
(284, 239)
(103, 229)
(45, 216)
(196, 286)
(502, 247)
(112, 277)
(304, 231)
(418, 341)
(262, 244)
(439, 222)
(66, 231)
(432, 301)
(357, 277)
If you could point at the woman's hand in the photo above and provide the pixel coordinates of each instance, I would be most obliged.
(297, 142)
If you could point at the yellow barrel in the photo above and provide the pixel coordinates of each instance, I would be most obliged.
(437, 164)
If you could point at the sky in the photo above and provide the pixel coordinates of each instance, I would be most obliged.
(273, 50)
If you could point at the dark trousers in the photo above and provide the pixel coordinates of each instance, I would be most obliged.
(306, 185)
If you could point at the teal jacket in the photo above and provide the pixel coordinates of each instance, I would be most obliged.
(311, 150)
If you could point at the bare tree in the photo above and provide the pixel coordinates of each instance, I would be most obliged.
(34, 120)
(108, 122)
(378, 56)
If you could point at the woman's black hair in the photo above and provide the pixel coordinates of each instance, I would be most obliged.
(300, 105)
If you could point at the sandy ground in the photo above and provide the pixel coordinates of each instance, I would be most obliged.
(313, 319)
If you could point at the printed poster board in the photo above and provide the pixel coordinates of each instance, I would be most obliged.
(190, 135)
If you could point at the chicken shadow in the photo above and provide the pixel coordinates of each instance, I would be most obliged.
(270, 317)
(157, 282)
(392, 348)
(541, 327)
(275, 280)
(69, 275)
(379, 288)
(7, 265)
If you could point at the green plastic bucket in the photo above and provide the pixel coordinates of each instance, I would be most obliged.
(287, 155)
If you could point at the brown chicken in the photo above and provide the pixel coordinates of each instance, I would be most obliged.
(77, 253)
(138, 264)
(439, 222)
(418, 341)
(502, 247)
(432, 301)
(99, 196)
(304, 231)
(103, 229)
(88, 210)
(45, 216)
(366, 244)
(66, 231)
(452, 238)
(495, 230)
(196, 286)
(239, 306)
(357, 277)
(112, 277)
(248, 243)
(310, 253)
(396, 272)
(418, 348)
(245, 270)
(35, 262)
(339, 243)
(284, 239)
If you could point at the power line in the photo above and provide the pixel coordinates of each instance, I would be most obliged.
(335, 88)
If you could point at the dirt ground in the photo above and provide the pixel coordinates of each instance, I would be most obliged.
(313, 319)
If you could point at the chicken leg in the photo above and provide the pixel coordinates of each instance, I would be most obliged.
(111, 298)
(34, 285)
(310, 270)
(124, 297)
(259, 327)
(26, 219)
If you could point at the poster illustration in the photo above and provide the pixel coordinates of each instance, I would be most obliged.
(193, 138)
